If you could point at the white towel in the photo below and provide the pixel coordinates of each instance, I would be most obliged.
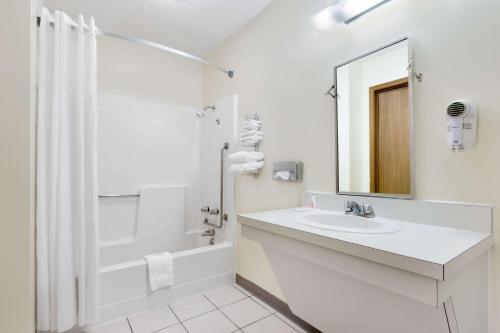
(252, 125)
(247, 133)
(246, 156)
(252, 122)
(251, 139)
(251, 167)
(160, 270)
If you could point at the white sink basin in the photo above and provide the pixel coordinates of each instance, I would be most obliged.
(339, 221)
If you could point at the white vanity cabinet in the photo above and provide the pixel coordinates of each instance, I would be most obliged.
(430, 277)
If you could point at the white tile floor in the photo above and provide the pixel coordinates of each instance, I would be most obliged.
(223, 310)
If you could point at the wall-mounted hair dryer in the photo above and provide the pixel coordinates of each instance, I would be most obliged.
(462, 124)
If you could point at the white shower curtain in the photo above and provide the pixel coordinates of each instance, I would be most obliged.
(66, 214)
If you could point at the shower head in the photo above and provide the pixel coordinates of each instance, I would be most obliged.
(201, 113)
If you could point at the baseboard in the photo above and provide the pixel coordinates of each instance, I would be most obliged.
(275, 302)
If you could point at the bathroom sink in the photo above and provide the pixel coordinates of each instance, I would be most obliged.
(339, 221)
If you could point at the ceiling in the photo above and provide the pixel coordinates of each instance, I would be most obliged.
(195, 26)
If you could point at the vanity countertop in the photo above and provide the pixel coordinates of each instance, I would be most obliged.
(433, 251)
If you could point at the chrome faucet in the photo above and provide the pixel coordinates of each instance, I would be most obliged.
(364, 210)
(209, 233)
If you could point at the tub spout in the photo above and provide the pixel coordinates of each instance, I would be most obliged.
(208, 233)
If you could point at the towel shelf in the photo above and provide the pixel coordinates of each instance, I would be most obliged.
(256, 146)
(119, 195)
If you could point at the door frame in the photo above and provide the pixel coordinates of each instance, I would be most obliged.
(374, 91)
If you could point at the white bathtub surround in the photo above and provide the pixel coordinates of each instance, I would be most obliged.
(160, 270)
(117, 326)
(431, 274)
(124, 287)
(199, 314)
(171, 158)
(66, 216)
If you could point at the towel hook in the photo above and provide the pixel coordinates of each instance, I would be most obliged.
(331, 92)
(411, 68)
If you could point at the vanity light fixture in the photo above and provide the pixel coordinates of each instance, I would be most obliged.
(345, 11)
(354, 9)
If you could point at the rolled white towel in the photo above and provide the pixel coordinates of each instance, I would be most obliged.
(252, 125)
(251, 140)
(251, 167)
(246, 156)
(249, 144)
(250, 133)
(252, 128)
(253, 122)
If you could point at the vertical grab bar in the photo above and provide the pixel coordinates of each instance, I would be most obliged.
(222, 215)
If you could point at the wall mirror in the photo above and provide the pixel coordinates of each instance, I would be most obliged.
(375, 123)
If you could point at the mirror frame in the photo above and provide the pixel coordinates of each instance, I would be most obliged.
(411, 195)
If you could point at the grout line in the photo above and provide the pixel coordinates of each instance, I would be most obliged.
(253, 298)
(208, 299)
(293, 328)
(250, 297)
(243, 290)
(217, 308)
(220, 310)
(160, 329)
(246, 296)
(223, 306)
(198, 315)
(269, 315)
(182, 324)
(129, 325)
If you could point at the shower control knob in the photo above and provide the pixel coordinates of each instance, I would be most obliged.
(205, 209)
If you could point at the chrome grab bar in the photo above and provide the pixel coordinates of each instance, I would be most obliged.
(222, 215)
(119, 195)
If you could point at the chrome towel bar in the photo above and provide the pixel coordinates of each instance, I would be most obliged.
(119, 195)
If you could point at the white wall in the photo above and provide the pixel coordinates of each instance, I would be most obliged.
(17, 293)
(134, 70)
(283, 67)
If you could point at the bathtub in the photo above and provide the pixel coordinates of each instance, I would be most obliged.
(124, 287)
(169, 160)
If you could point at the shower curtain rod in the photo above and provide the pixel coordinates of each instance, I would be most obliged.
(228, 72)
